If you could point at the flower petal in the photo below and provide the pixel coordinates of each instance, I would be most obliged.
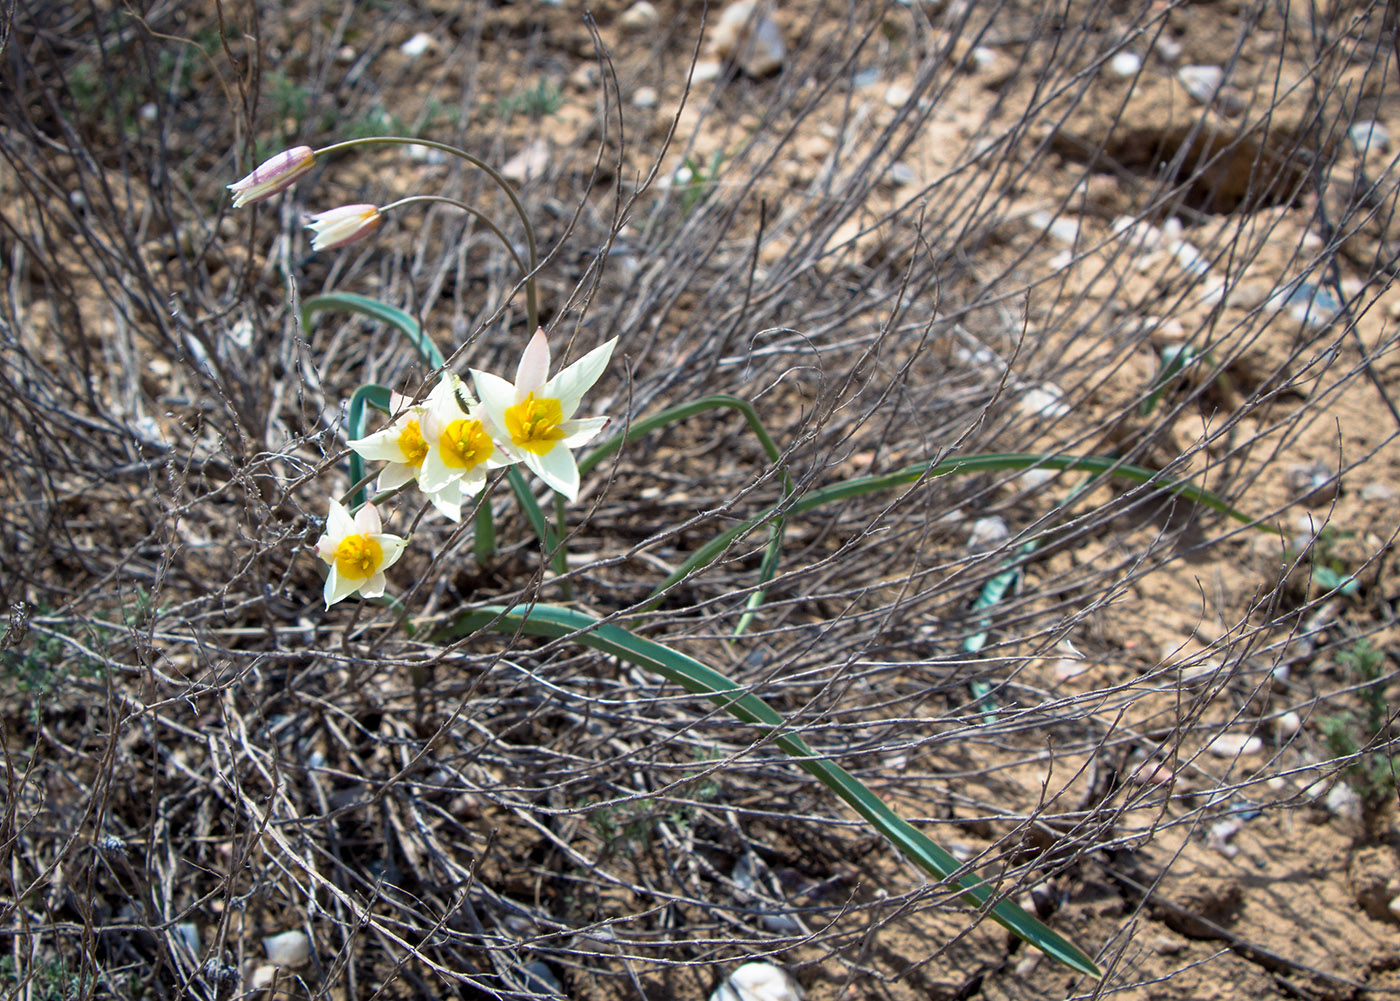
(582, 431)
(448, 501)
(496, 394)
(367, 520)
(396, 474)
(392, 546)
(557, 468)
(339, 587)
(339, 524)
(534, 365)
(569, 385)
(382, 446)
(374, 586)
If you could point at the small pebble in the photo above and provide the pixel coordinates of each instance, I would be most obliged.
(291, 948)
(645, 97)
(1043, 401)
(1369, 137)
(987, 534)
(897, 95)
(1289, 723)
(1230, 745)
(641, 16)
(1220, 834)
(1342, 801)
(758, 982)
(417, 45)
(1201, 82)
(1394, 907)
(1125, 64)
(746, 34)
(1167, 49)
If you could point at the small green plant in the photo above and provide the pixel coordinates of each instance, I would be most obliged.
(49, 980)
(695, 180)
(540, 101)
(1370, 772)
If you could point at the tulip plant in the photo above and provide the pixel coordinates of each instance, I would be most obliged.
(452, 440)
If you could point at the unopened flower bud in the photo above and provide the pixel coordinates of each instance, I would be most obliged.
(346, 224)
(275, 174)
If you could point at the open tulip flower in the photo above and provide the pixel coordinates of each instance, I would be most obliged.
(402, 447)
(460, 449)
(534, 417)
(357, 551)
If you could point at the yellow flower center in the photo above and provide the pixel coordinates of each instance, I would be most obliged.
(411, 444)
(534, 424)
(465, 444)
(358, 557)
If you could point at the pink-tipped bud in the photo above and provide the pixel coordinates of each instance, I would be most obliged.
(276, 174)
(346, 224)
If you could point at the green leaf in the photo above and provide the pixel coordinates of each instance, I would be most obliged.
(928, 470)
(691, 674)
(375, 396)
(350, 303)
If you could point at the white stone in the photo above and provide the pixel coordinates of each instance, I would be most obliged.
(1061, 228)
(1369, 137)
(1044, 401)
(758, 982)
(988, 533)
(747, 35)
(1394, 907)
(1168, 49)
(641, 16)
(418, 45)
(645, 97)
(1125, 64)
(1289, 723)
(705, 71)
(532, 161)
(1230, 745)
(1343, 801)
(291, 948)
(897, 95)
(1201, 82)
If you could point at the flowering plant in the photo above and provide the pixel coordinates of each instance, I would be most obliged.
(450, 442)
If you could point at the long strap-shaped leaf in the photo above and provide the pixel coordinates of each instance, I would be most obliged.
(555, 622)
(351, 303)
(990, 462)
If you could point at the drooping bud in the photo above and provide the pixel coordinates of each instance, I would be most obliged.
(346, 224)
(273, 175)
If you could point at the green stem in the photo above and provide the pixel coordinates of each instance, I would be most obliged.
(478, 215)
(484, 539)
(561, 552)
(531, 302)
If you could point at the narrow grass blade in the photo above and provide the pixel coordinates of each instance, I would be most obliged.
(350, 303)
(691, 674)
(484, 538)
(375, 396)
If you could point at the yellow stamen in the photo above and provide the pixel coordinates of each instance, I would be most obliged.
(534, 424)
(465, 444)
(358, 557)
(411, 443)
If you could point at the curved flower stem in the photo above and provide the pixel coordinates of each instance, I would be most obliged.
(480, 216)
(531, 301)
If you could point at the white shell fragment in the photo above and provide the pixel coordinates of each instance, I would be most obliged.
(291, 948)
(747, 35)
(758, 982)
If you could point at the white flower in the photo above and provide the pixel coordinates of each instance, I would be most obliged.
(403, 447)
(534, 417)
(273, 175)
(338, 226)
(460, 447)
(357, 551)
